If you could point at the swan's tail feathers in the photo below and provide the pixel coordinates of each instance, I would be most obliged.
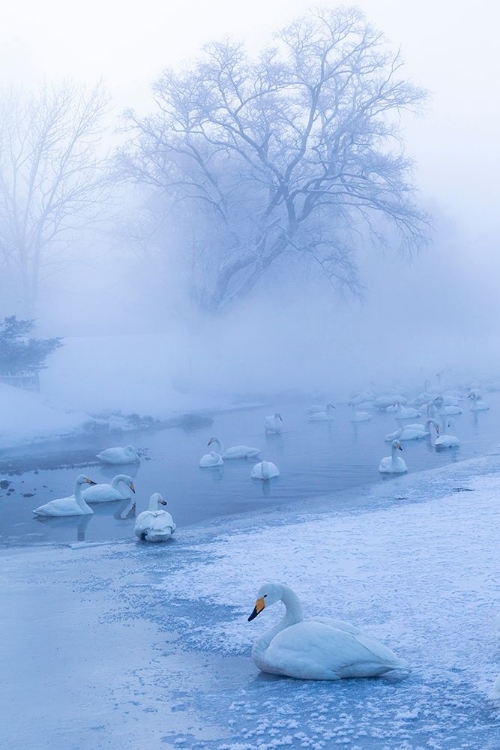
(495, 692)
(400, 664)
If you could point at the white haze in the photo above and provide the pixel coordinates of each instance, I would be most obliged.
(418, 317)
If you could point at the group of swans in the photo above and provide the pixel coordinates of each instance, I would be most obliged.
(264, 470)
(316, 649)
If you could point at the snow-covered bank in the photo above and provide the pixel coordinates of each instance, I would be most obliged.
(160, 655)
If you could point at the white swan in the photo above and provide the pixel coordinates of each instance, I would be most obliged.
(415, 431)
(323, 416)
(383, 402)
(442, 408)
(274, 423)
(359, 416)
(68, 506)
(316, 649)
(105, 493)
(265, 470)
(154, 525)
(403, 412)
(237, 451)
(126, 455)
(393, 464)
(446, 441)
(211, 459)
(477, 401)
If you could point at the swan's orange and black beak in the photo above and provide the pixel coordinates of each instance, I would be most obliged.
(89, 481)
(259, 606)
(163, 502)
(400, 447)
(131, 485)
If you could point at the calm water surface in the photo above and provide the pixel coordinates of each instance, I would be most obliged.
(313, 458)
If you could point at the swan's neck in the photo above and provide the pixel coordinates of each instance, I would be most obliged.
(293, 614)
(116, 481)
(329, 410)
(394, 454)
(220, 444)
(153, 504)
(265, 469)
(79, 497)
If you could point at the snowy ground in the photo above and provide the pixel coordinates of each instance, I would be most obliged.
(135, 646)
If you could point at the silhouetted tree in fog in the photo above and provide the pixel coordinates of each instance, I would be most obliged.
(52, 180)
(296, 153)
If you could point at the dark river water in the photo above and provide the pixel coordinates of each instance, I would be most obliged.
(313, 458)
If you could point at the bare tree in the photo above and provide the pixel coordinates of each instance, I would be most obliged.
(298, 152)
(52, 179)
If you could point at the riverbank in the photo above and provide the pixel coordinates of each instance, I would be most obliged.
(128, 645)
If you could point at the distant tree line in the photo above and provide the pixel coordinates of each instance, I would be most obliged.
(20, 353)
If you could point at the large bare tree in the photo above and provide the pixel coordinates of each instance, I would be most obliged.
(295, 153)
(52, 180)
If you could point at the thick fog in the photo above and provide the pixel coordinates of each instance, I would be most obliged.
(418, 314)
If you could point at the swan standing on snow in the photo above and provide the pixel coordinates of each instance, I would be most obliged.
(112, 456)
(211, 459)
(393, 464)
(323, 416)
(68, 506)
(274, 423)
(238, 451)
(444, 440)
(265, 470)
(359, 416)
(154, 525)
(316, 649)
(477, 400)
(106, 493)
(415, 431)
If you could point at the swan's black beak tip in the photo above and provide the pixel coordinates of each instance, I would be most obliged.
(253, 615)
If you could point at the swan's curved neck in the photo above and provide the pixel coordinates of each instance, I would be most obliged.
(79, 497)
(293, 614)
(265, 469)
(117, 480)
(153, 503)
(219, 444)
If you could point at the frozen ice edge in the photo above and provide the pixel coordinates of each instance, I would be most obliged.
(176, 618)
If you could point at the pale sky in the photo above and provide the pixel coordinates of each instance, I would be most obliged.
(451, 48)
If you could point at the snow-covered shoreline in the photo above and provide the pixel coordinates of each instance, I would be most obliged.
(416, 564)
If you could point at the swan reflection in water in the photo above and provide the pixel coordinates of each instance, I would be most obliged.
(79, 523)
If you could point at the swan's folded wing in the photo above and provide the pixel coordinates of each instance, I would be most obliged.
(161, 522)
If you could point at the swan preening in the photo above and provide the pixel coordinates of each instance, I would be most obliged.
(358, 416)
(105, 493)
(274, 423)
(415, 431)
(393, 464)
(154, 525)
(211, 459)
(68, 506)
(116, 456)
(237, 451)
(316, 649)
(265, 470)
(323, 416)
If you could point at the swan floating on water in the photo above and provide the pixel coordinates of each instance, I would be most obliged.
(154, 525)
(323, 416)
(442, 408)
(274, 423)
(316, 649)
(383, 402)
(211, 459)
(477, 401)
(359, 416)
(68, 506)
(415, 431)
(237, 451)
(106, 493)
(446, 441)
(265, 470)
(393, 464)
(112, 456)
(403, 412)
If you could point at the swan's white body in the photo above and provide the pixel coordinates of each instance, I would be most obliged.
(393, 464)
(403, 412)
(323, 416)
(316, 649)
(74, 505)
(237, 451)
(154, 525)
(274, 423)
(415, 431)
(382, 402)
(106, 493)
(211, 459)
(265, 470)
(477, 402)
(442, 409)
(117, 456)
(359, 416)
(444, 440)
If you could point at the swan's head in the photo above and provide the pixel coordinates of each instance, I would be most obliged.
(130, 450)
(82, 479)
(156, 500)
(396, 444)
(213, 439)
(278, 416)
(330, 405)
(267, 595)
